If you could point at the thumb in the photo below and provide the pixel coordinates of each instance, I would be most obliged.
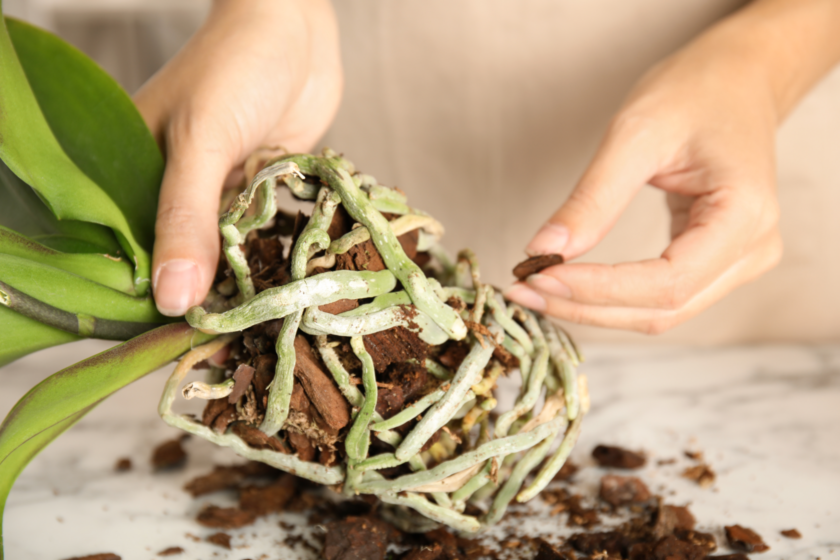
(186, 249)
(621, 167)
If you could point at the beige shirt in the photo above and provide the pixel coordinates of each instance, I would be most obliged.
(486, 112)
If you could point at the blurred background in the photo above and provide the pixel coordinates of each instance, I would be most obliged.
(487, 111)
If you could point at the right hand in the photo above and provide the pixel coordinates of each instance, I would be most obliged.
(258, 73)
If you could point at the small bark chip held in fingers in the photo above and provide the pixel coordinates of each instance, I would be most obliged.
(617, 457)
(744, 539)
(534, 265)
(791, 534)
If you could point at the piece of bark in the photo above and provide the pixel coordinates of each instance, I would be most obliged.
(218, 413)
(617, 457)
(389, 400)
(263, 376)
(744, 539)
(579, 515)
(257, 439)
(534, 265)
(433, 551)
(736, 556)
(453, 354)
(220, 539)
(169, 454)
(224, 518)
(262, 500)
(302, 445)
(358, 538)
(623, 490)
(242, 378)
(409, 241)
(339, 306)
(394, 345)
(171, 551)
(412, 378)
(791, 534)
(670, 518)
(224, 477)
(99, 556)
(319, 387)
(703, 540)
(667, 548)
(123, 465)
(547, 551)
(701, 474)
(363, 256)
(341, 223)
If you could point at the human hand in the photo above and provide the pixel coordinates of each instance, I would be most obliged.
(700, 126)
(258, 73)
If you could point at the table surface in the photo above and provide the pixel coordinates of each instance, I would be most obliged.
(766, 417)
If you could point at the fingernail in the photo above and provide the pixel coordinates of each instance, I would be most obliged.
(175, 285)
(549, 285)
(524, 295)
(551, 239)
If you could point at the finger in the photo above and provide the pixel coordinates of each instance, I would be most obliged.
(624, 163)
(720, 231)
(187, 238)
(649, 320)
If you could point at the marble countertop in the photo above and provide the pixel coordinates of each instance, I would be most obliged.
(766, 417)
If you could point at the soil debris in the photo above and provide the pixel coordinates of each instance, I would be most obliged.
(744, 539)
(170, 454)
(534, 265)
(693, 455)
(701, 474)
(224, 477)
(547, 551)
(171, 551)
(225, 518)
(791, 534)
(362, 538)
(220, 539)
(100, 556)
(123, 464)
(262, 500)
(618, 457)
(622, 490)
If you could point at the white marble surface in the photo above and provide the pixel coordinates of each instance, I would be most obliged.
(767, 418)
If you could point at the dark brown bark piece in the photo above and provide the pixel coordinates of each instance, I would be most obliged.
(123, 465)
(303, 447)
(744, 539)
(218, 413)
(265, 260)
(791, 534)
(171, 551)
(623, 490)
(611, 542)
(667, 548)
(221, 478)
(220, 539)
(547, 551)
(433, 551)
(617, 457)
(262, 500)
(703, 540)
(412, 378)
(340, 224)
(445, 539)
(393, 346)
(453, 354)
(358, 538)
(339, 306)
(736, 556)
(242, 378)
(670, 518)
(224, 518)
(535, 264)
(169, 454)
(258, 439)
(409, 241)
(363, 256)
(100, 556)
(319, 387)
(389, 400)
(264, 375)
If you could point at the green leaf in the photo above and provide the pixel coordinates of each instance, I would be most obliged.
(23, 212)
(22, 336)
(62, 399)
(96, 123)
(105, 270)
(31, 150)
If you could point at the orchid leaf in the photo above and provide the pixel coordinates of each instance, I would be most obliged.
(112, 272)
(25, 213)
(22, 336)
(32, 151)
(59, 401)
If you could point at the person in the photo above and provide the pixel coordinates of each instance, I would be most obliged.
(699, 125)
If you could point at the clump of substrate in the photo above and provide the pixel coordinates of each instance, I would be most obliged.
(362, 358)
